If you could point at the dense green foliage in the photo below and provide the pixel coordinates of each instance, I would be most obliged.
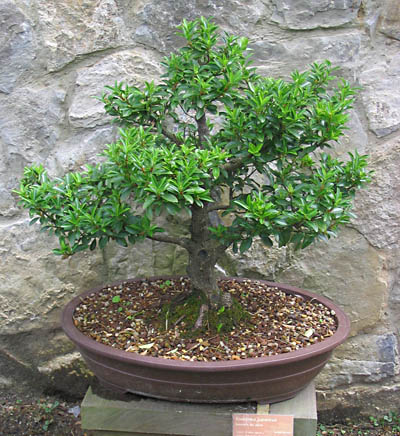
(215, 135)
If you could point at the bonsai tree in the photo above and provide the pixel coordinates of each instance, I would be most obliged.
(239, 154)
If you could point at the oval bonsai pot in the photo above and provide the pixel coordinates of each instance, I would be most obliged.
(272, 379)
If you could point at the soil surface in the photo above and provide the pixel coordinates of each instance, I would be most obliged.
(135, 317)
(31, 413)
(362, 428)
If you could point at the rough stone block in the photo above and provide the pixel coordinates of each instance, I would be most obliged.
(129, 67)
(278, 57)
(295, 14)
(383, 198)
(70, 30)
(380, 93)
(390, 25)
(17, 45)
(336, 269)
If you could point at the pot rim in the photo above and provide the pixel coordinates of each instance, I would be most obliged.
(325, 346)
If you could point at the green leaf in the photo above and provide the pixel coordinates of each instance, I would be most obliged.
(188, 198)
(149, 213)
(149, 201)
(337, 211)
(245, 245)
(116, 299)
(216, 173)
(297, 240)
(103, 241)
(169, 197)
(132, 239)
(121, 241)
(172, 209)
(81, 247)
(284, 237)
(199, 114)
(266, 240)
(307, 241)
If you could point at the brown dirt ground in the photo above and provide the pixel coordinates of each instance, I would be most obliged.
(32, 413)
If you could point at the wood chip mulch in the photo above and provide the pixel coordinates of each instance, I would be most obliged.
(127, 317)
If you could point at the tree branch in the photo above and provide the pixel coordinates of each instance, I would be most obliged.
(202, 129)
(217, 206)
(233, 164)
(182, 242)
(171, 136)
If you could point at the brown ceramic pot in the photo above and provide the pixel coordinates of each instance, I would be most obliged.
(271, 379)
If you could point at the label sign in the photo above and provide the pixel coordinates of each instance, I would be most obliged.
(249, 424)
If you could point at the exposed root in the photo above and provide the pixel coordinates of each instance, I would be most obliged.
(180, 298)
(199, 322)
(181, 318)
(226, 300)
(195, 312)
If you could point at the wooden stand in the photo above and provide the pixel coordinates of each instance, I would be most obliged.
(105, 414)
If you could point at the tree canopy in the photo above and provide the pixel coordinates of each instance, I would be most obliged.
(211, 135)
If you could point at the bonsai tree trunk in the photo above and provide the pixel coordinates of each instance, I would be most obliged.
(203, 255)
(201, 271)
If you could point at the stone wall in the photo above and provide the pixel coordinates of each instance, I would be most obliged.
(56, 55)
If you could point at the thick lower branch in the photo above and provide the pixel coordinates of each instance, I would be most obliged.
(182, 242)
(171, 136)
(233, 164)
(217, 206)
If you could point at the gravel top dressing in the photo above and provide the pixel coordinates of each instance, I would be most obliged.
(129, 317)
